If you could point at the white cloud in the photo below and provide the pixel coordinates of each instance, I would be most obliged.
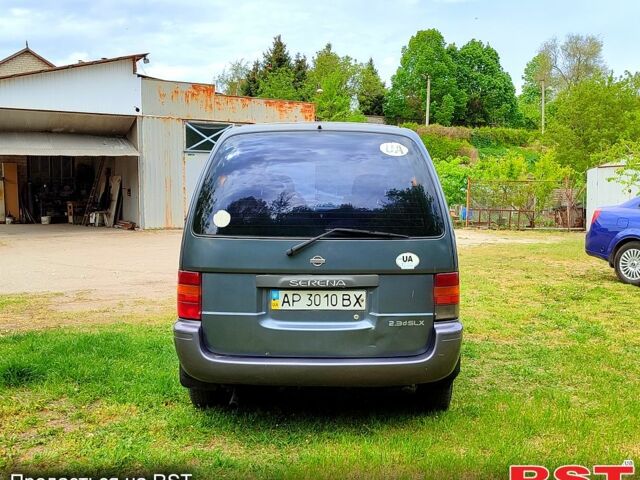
(194, 39)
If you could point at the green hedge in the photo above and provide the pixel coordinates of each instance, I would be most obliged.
(496, 136)
(441, 148)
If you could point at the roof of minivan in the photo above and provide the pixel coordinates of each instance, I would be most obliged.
(332, 126)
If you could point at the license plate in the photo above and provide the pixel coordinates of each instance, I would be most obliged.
(318, 299)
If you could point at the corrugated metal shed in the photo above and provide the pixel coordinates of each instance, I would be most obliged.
(75, 103)
(161, 173)
(168, 174)
(103, 87)
(195, 101)
(13, 120)
(604, 190)
(65, 144)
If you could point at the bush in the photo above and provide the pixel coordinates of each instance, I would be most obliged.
(496, 136)
(458, 133)
(410, 125)
(441, 148)
(453, 173)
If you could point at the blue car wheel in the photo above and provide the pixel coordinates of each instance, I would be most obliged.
(627, 263)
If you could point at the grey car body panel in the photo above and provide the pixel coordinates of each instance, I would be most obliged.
(393, 341)
(435, 364)
(316, 281)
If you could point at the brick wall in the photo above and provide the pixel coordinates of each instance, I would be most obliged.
(25, 62)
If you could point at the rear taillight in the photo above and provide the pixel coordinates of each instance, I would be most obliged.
(446, 295)
(596, 214)
(189, 295)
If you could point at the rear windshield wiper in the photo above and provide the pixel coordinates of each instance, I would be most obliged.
(296, 248)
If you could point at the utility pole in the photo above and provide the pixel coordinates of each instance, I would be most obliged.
(542, 106)
(426, 120)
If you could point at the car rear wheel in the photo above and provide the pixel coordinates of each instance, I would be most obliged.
(627, 263)
(436, 397)
(204, 395)
(213, 397)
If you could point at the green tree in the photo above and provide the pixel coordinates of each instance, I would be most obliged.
(536, 74)
(371, 90)
(251, 82)
(426, 54)
(453, 173)
(232, 78)
(276, 57)
(534, 183)
(279, 84)
(277, 76)
(592, 116)
(490, 94)
(334, 83)
(568, 63)
(300, 73)
(444, 114)
(627, 153)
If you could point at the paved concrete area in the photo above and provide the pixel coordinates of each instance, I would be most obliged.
(70, 258)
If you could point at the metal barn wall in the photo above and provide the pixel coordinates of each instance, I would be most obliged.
(167, 173)
(194, 101)
(193, 165)
(161, 172)
(111, 87)
(601, 192)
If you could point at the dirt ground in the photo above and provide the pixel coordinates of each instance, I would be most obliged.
(106, 262)
(103, 264)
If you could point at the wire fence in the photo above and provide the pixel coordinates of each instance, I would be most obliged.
(521, 204)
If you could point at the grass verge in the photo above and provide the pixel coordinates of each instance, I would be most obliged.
(550, 375)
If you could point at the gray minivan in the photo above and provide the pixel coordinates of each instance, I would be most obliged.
(318, 254)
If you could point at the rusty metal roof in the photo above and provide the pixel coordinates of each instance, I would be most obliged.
(135, 57)
(64, 144)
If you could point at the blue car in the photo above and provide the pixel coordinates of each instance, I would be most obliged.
(615, 237)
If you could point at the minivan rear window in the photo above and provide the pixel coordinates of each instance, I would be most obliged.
(299, 184)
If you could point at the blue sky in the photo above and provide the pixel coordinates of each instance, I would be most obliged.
(193, 40)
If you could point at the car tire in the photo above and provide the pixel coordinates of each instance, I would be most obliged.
(627, 263)
(436, 397)
(204, 395)
(212, 397)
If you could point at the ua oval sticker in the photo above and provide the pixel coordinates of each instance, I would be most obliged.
(394, 149)
(407, 261)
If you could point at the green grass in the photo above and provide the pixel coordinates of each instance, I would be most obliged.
(550, 375)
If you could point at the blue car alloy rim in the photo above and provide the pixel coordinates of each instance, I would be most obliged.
(630, 264)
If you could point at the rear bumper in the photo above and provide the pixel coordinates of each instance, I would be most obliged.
(600, 255)
(435, 364)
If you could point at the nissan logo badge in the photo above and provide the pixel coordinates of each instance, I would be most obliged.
(317, 261)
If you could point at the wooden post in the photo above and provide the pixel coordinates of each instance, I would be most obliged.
(566, 194)
(426, 116)
(468, 201)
